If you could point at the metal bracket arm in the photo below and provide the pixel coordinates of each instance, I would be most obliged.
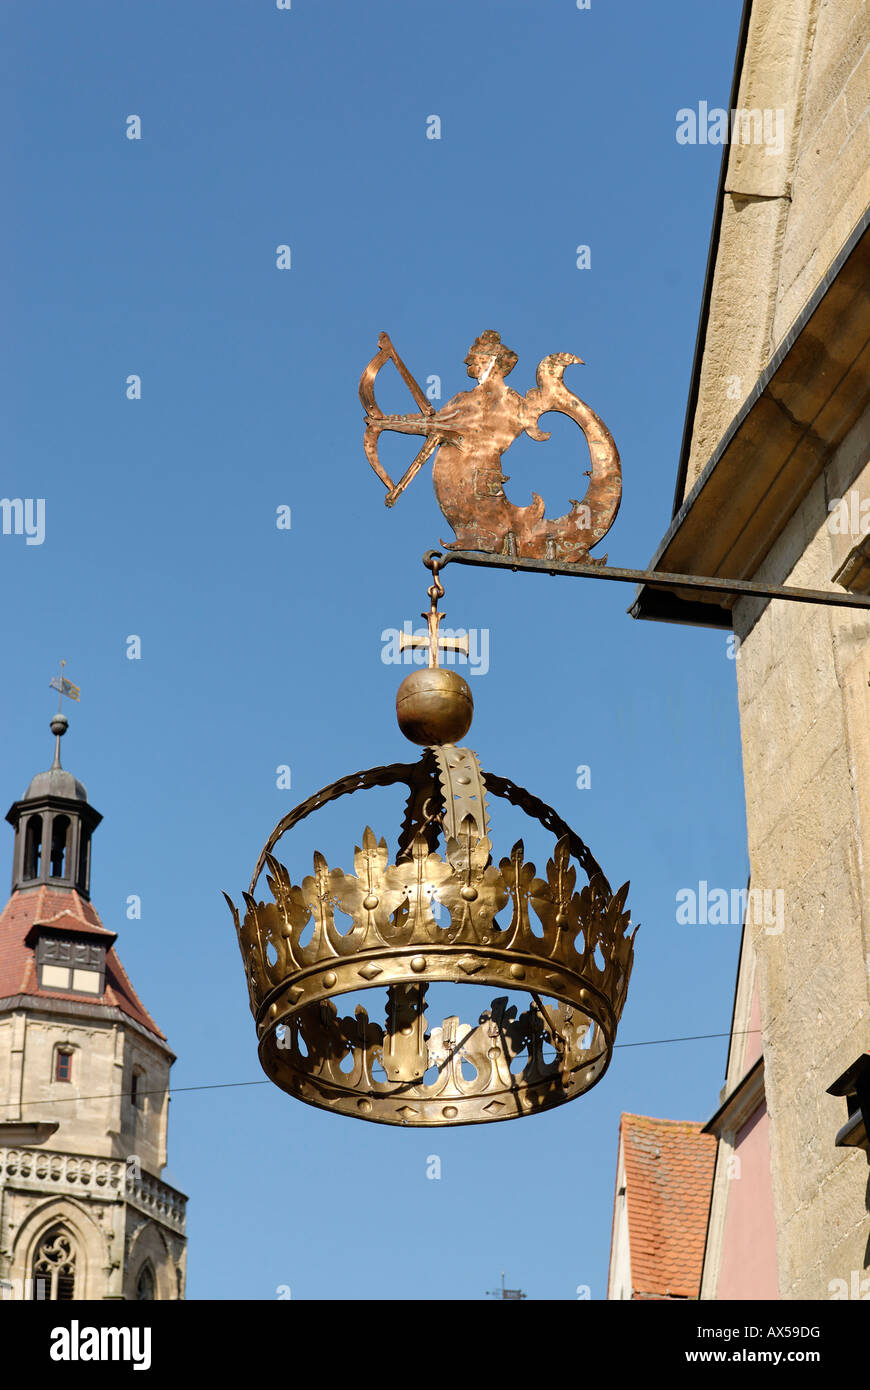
(737, 588)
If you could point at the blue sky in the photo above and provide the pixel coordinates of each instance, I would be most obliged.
(262, 647)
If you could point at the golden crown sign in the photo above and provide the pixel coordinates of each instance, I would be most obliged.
(565, 947)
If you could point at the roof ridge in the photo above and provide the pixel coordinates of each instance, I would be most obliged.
(657, 1120)
(77, 917)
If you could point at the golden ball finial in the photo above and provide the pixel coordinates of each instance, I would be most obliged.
(434, 706)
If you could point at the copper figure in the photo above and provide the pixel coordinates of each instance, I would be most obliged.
(472, 431)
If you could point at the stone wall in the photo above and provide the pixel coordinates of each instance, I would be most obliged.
(803, 674)
(786, 215)
(94, 1108)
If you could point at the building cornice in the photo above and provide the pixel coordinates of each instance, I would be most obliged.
(739, 1105)
(35, 1004)
(27, 1131)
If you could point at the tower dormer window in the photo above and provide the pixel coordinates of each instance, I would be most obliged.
(71, 966)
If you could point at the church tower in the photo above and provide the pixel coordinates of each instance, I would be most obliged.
(84, 1078)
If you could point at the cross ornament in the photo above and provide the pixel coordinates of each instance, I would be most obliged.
(432, 640)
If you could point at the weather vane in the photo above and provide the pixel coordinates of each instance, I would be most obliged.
(65, 687)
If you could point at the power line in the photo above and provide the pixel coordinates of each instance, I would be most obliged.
(697, 1037)
(228, 1085)
(162, 1091)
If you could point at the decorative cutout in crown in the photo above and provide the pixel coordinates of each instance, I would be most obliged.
(402, 1073)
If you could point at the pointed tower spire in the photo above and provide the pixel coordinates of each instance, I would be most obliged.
(58, 726)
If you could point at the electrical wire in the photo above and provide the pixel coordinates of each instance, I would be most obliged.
(227, 1085)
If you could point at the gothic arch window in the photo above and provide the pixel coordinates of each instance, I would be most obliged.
(54, 1266)
(145, 1284)
(59, 846)
(33, 847)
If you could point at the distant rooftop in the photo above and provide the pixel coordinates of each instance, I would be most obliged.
(668, 1182)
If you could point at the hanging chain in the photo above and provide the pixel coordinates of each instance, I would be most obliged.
(436, 589)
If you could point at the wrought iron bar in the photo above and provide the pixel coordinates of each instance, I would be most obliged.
(740, 588)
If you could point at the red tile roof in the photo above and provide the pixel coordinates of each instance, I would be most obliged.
(62, 909)
(668, 1183)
